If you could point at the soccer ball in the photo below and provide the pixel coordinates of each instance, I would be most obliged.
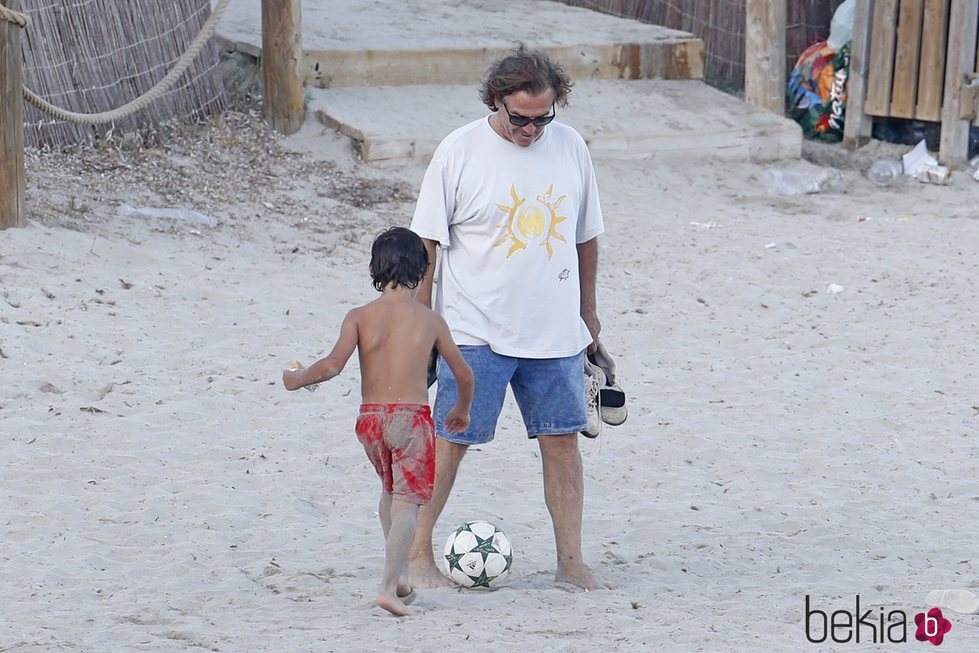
(478, 554)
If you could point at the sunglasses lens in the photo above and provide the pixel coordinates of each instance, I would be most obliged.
(523, 121)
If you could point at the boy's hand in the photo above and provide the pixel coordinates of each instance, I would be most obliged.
(457, 420)
(290, 376)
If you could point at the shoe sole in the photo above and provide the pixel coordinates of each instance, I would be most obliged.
(612, 401)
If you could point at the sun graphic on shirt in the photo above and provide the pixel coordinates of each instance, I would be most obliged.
(531, 223)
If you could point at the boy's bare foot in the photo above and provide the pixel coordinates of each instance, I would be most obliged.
(582, 576)
(424, 573)
(394, 605)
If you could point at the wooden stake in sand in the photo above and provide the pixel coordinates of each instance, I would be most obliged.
(12, 185)
(282, 62)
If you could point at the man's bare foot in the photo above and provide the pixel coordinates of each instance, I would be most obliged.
(394, 605)
(582, 576)
(424, 573)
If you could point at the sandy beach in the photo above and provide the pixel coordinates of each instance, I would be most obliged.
(801, 373)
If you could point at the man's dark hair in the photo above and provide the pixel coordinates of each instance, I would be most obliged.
(525, 70)
(398, 255)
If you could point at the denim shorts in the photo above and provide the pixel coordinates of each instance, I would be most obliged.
(549, 391)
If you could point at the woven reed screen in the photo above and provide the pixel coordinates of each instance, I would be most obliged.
(720, 24)
(89, 56)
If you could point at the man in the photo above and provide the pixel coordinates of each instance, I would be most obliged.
(512, 201)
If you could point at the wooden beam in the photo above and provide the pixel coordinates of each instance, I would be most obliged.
(282, 63)
(764, 60)
(954, 148)
(858, 126)
(12, 178)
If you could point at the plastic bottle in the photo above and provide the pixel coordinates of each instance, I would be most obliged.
(885, 172)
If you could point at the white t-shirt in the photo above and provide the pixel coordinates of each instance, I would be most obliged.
(508, 219)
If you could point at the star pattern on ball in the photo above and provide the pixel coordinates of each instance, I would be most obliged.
(478, 554)
(484, 547)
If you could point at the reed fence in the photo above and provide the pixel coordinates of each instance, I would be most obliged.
(90, 56)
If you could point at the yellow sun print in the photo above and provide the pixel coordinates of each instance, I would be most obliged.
(529, 223)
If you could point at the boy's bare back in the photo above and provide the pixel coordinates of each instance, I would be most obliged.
(395, 336)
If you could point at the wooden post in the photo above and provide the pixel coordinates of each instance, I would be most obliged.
(857, 125)
(764, 54)
(954, 148)
(11, 124)
(282, 63)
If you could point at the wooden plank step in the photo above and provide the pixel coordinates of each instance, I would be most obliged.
(641, 119)
(380, 43)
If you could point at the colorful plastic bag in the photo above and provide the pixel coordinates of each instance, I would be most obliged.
(816, 93)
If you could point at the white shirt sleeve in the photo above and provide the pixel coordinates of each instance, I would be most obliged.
(435, 205)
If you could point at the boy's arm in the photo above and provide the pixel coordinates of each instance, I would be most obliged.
(458, 418)
(328, 367)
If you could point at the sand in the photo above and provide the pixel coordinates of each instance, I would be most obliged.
(801, 373)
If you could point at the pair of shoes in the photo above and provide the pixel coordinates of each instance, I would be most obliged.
(611, 398)
(593, 411)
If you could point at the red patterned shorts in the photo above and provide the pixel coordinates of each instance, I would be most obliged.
(400, 442)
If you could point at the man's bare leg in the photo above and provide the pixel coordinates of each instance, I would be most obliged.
(564, 494)
(422, 571)
(400, 533)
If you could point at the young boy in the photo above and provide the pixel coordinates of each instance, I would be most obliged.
(394, 336)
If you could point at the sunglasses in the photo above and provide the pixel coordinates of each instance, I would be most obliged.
(521, 121)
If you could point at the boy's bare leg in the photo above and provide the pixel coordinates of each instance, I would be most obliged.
(422, 571)
(401, 532)
(564, 492)
(384, 512)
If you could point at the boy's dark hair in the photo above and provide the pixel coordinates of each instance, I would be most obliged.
(526, 70)
(398, 255)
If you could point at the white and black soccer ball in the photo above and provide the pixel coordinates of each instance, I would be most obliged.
(478, 554)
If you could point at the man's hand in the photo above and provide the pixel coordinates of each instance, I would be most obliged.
(594, 328)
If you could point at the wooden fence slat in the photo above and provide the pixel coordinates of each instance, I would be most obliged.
(905, 87)
(975, 69)
(954, 148)
(881, 65)
(931, 70)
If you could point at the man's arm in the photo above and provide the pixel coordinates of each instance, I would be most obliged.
(587, 274)
(425, 287)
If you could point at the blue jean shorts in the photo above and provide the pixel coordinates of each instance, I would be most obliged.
(549, 391)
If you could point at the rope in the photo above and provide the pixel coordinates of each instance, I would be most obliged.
(14, 17)
(161, 87)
